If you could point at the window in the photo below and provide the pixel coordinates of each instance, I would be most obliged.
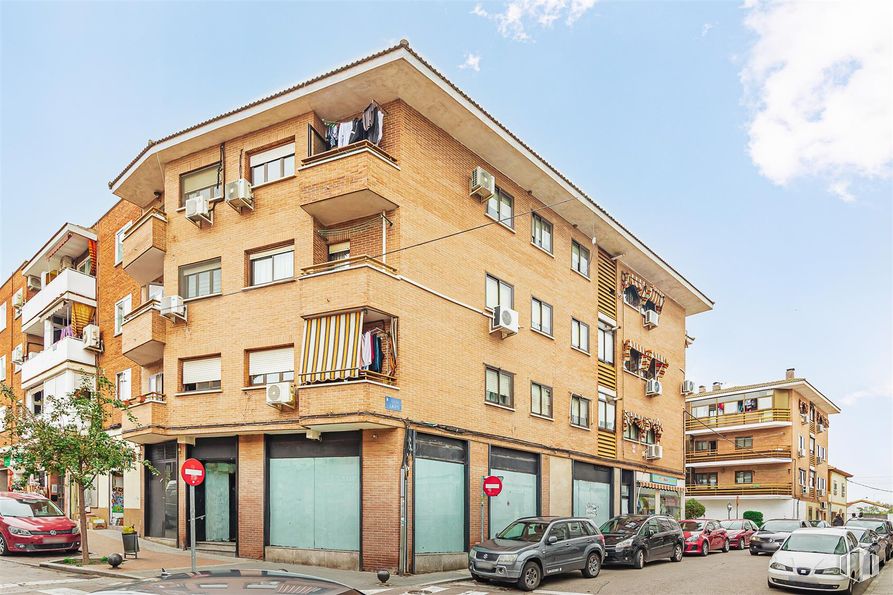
(631, 297)
(802, 442)
(119, 243)
(705, 479)
(540, 399)
(651, 372)
(2, 368)
(811, 445)
(705, 445)
(122, 309)
(579, 335)
(156, 383)
(811, 478)
(339, 251)
(631, 432)
(500, 387)
(607, 411)
(277, 264)
(36, 402)
(580, 258)
(204, 182)
(579, 411)
(802, 476)
(633, 363)
(122, 385)
(541, 316)
(200, 279)
(201, 374)
(3, 316)
(605, 342)
(743, 476)
(843, 490)
(744, 442)
(271, 365)
(834, 487)
(500, 207)
(85, 266)
(273, 164)
(650, 437)
(541, 233)
(499, 293)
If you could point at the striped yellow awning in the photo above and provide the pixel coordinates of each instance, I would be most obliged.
(81, 316)
(331, 347)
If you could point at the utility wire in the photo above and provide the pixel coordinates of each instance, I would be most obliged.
(870, 487)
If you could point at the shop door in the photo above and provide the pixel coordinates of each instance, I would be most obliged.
(593, 495)
(520, 487)
(215, 498)
(439, 495)
(161, 491)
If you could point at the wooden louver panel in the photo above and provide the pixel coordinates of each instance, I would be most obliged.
(607, 285)
(607, 444)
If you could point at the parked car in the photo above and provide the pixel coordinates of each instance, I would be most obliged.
(869, 540)
(819, 523)
(226, 580)
(31, 523)
(818, 559)
(772, 534)
(740, 531)
(882, 527)
(533, 547)
(636, 539)
(703, 535)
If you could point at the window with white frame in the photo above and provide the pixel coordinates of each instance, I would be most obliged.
(607, 410)
(271, 365)
(122, 309)
(802, 476)
(122, 385)
(155, 383)
(119, 242)
(500, 206)
(201, 374)
(339, 251)
(579, 411)
(540, 399)
(579, 335)
(203, 182)
(499, 387)
(811, 478)
(541, 232)
(2, 368)
(35, 402)
(272, 164)
(499, 293)
(606, 342)
(3, 316)
(580, 258)
(272, 265)
(743, 476)
(540, 316)
(200, 279)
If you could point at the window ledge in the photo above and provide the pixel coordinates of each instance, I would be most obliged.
(540, 248)
(189, 393)
(501, 222)
(270, 284)
(587, 277)
(588, 429)
(606, 362)
(586, 353)
(271, 182)
(606, 430)
(631, 441)
(201, 297)
(545, 417)
(257, 387)
(498, 406)
(546, 335)
(639, 376)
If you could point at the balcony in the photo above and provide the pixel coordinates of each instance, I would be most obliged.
(146, 419)
(348, 183)
(68, 352)
(144, 247)
(744, 456)
(317, 401)
(372, 284)
(743, 489)
(143, 334)
(763, 418)
(68, 285)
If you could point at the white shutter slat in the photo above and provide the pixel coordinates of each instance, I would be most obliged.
(201, 370)
(271, 361)
(274, 153)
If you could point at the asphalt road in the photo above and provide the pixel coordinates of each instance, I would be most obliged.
(18, 577)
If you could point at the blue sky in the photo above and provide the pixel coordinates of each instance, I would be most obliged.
(749, 145)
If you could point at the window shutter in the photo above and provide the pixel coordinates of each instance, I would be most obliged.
(200, 179)
(271, 361)
(274, 153)
(201, 370)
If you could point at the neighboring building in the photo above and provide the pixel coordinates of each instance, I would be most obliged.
(863, 506)
(760, 447)
(837, 482)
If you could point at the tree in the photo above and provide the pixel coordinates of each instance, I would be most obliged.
(69, 439)
(755, 516)
(694, 509)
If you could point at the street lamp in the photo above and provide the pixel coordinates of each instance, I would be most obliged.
(729, 508)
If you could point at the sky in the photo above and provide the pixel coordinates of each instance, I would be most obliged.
(750, 145)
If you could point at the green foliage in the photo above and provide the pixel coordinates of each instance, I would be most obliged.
(754, 515)
(693, 509)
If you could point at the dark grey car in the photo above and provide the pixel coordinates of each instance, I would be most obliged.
(772, 534)
(882, 527)
(533, 547)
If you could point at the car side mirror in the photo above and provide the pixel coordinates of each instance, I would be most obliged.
(552, 539)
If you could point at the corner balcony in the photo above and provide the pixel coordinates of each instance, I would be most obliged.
(149, 421)
(69, 285)
(66, 353)
(743, 489)
(144, 247)
(328, 407)
(751, 420)
(372, 284)
(744, 456)
(143, 334)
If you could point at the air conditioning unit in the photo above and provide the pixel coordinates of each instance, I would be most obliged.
(802, 452)
(804, 418)
(280, 393)
(652, 318)
(173, 308)
(653, 388)
(92, 338)
(688, 387)
(34, 283)
(504, 320)
(654, 451)
(802, 489)
(482, 184)
(238, 195)
(18, 356)
(821, 428)
(198, 210)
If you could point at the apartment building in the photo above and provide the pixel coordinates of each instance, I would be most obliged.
(760, 447)
(837, 482)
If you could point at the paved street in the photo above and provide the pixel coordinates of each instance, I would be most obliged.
(16, 577)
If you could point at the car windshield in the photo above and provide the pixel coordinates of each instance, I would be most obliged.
(783, 526)
(730, 524)
(531, 531)
(872, 524)
(814, 544)
(692, 525)
(622, 524)
(28, 508)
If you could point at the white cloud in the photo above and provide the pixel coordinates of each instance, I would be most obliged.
(518, 16)
(705, 29)
(472, 62)
(867, 393)
(818, 83)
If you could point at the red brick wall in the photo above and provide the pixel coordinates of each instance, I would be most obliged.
(251, 486)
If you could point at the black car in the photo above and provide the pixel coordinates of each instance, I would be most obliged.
(772, 534)
(637, 538)
(533, 547)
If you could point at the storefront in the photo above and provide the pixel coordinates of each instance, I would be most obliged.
(659, 494)
(440, 503)
(627, 488)
(216, 498)
(520, 473)
(161, 491)
(593, 492)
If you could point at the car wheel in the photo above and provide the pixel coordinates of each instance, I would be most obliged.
(593, 565)
(3, 549)
(639, 559)
(849, 587)
(725, 546)
(753, 553)
(770, 585)
(530, 577)
(677, 553)
(705, 549)
(478, 578)
(740, 543)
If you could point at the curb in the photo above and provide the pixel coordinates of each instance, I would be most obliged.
(90, 571)
(420, 584)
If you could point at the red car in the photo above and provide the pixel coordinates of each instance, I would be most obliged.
(740, 531)
(31, 523)
(704, 535)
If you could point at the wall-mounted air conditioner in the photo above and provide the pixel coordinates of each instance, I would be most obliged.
(239, 195)
(34, 283)
(92, 338)
(654, 451)
(652, 318)
(821, 428)
(688, 387)
(802, 452)
(482, 184)
(279, 394)
(505, 320)
(173, 308)
(198, 210)
(653, 388)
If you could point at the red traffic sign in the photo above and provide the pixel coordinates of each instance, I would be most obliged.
(492, 485)
(192, 472)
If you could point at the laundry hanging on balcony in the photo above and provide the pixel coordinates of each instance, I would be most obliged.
(332, 347)
(368, 126)
(81, 316)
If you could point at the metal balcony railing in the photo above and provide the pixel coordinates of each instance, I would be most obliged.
(737, 419)
(769, 489)
(742, 454)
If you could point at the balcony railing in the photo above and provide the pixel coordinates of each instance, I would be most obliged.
(347, 263)
(768, 489)
(310, 379)
(70, 284)
(738, 419)
(780, 452)
(144, 247)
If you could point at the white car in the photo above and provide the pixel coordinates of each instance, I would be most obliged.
(819, 560)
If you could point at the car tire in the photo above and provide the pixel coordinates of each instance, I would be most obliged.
(593, 565)
(705, 549)
(849, 587)
(753, 553)
(639, 559)
(726, 546)
(531, 576)
(478, 578)
(677, 553)
(770, 585)
(4, 551)
(740, 543)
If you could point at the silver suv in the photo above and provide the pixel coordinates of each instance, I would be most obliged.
(533, 547)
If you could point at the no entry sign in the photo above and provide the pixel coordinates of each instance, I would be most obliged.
(492, 485)
(192, 472)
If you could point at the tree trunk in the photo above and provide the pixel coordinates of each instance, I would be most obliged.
(82, 513)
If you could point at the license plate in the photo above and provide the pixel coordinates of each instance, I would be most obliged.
(55, 539)
(484, 565)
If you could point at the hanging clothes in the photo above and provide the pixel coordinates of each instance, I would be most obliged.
(376, 128)
(359, 133)
(377, 355)
(345, 131)
(366, 350)
(332, 134)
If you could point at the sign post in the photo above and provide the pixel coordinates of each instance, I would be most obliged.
(492, 485)
(193, 473)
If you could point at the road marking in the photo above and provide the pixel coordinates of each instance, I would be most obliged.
(63, 591)
(374, 591)
(57, 581)
(434, 589)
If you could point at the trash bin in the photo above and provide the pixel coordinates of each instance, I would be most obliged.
(131, 544)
